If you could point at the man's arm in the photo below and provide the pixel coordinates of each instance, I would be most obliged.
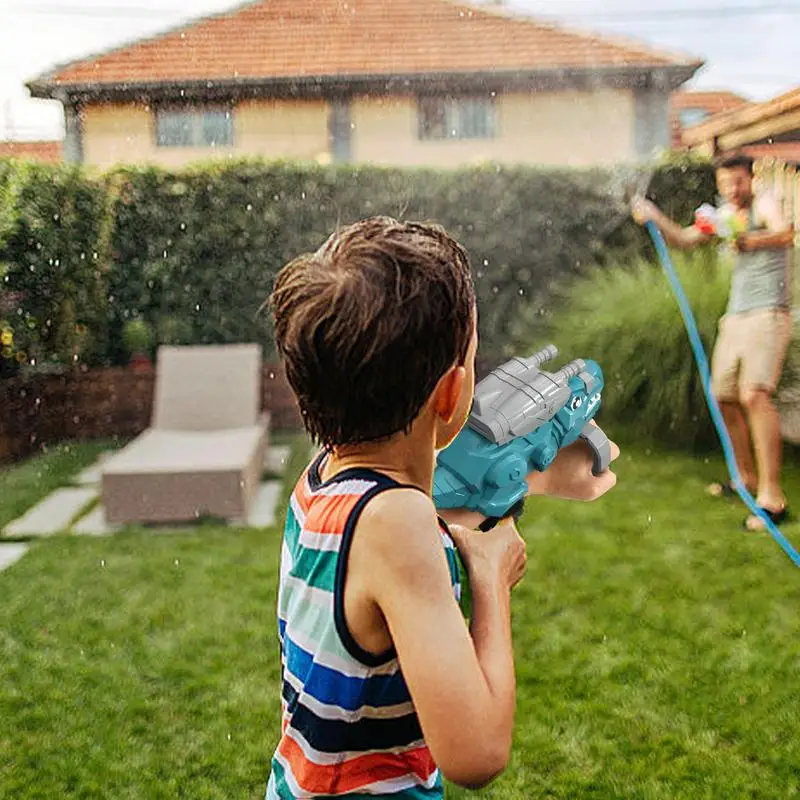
(463, 687)
(683, 238)
(779, 234)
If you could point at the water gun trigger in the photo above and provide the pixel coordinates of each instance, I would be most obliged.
(515, 512)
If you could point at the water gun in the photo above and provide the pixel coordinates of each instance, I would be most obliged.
(521, 417)
(714, 222)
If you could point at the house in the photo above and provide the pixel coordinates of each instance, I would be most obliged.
(395, 82)
(690, 108)
(765, 130)
(46, 151)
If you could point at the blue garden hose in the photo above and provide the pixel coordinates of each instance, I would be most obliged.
(716, 414)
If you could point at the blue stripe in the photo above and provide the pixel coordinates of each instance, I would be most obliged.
(329, 686)
(338, 735)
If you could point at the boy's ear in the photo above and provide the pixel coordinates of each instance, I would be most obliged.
(448, 393)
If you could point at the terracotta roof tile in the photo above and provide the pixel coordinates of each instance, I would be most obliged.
(35, 151)
(714, 102)
(305, 38)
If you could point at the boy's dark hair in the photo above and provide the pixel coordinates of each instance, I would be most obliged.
(368, 325)
(734, 160)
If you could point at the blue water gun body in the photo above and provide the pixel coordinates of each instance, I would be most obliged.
(521, 417)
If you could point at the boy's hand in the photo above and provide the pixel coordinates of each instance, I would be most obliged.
(570, 475)
(497, 556)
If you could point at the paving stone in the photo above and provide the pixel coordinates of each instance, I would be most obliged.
(93, 474)
(262, 513)
(94, 524)
(53, 514)
(11, 552)
(277, 459)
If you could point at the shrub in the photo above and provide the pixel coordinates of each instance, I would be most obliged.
(138, 337)
(628, 320)
(53, 247)
(193, 252)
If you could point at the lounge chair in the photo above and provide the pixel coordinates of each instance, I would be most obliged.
(203, 454)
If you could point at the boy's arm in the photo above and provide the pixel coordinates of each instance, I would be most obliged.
(463, 687)
(569, 477)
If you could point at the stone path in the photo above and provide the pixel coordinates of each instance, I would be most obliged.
(76, 510)
(11, 552)
(54, 514)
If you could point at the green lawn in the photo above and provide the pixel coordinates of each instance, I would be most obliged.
(657, 647)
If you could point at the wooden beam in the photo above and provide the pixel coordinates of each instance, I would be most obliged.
(761, 131)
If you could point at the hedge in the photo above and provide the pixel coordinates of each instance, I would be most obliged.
(193, 252)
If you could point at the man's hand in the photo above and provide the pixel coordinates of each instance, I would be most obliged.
(643, 211)
(570, 476)
(497, 556)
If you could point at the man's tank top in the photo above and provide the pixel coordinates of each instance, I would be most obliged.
(760, 279)
(349, 727)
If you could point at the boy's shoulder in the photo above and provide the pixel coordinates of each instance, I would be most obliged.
(401, 529)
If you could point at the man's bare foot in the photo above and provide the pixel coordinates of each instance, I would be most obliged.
(775, 509)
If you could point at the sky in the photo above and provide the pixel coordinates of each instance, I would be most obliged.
(749, 46)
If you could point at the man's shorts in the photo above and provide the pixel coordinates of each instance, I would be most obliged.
(750, 351)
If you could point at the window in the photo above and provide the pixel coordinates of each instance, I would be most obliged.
(692, 116)
(456, 118)
(194, 127)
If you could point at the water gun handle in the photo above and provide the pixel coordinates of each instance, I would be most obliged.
(600, 446)
(515, 511)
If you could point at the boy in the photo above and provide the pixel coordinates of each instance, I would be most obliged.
(385, 689)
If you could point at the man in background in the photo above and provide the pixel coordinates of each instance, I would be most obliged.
(755, 331)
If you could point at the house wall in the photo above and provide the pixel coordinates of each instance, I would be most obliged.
(549, 128)
(552, 128)
(269, 128)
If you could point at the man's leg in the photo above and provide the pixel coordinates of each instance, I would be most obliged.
(765, 424)
(736, 423)
(762, 368)
(724, 385)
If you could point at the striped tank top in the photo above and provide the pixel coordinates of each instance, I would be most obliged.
(348, 723)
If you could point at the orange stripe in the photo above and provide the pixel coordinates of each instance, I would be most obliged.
(303, 494)
(329, 514)
(356, 773)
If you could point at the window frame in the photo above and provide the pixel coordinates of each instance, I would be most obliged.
(457, 117)
(197, 114)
